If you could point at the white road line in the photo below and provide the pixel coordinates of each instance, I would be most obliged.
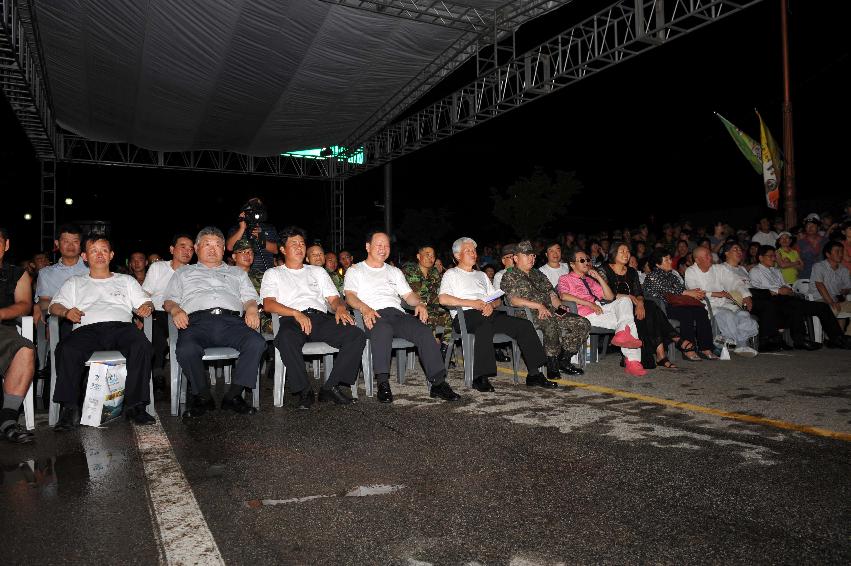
(183, 532)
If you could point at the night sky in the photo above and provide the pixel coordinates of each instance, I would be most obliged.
(641, 136)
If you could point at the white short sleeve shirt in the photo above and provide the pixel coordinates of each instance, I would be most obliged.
(299, 289)
(379, 287)
(468, 285)
(102, 300)
(553, 273)
(156, 281)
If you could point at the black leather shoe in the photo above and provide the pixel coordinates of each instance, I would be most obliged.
(16, 434)
(69, 418)
(482, 384)
(538, 380)
(305, 399)
(807, 345)
(443, 391)
(333, 394)
(842, 342)
(384, 394)
(198, 406)
(238, 405)
(567, 367)
(138, 415)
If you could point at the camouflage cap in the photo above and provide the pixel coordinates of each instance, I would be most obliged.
(241, 245)
(525, 247)
(508, 249)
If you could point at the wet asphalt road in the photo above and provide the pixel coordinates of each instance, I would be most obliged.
(522, 476)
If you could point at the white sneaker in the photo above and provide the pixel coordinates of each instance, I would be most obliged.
(745, 352)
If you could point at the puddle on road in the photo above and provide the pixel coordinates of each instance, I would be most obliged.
(359, 491)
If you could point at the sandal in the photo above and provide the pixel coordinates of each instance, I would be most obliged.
(666, 364)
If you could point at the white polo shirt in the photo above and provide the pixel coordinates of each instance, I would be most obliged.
(156, 281)
(835, 280)
(554, 273)
(102, 300)
(306, 288)
(467, 285)
(378, 287)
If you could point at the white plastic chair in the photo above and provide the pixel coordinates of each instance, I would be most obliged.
(404, 354)
(26, 330)
(468, 344)
(310, 349)
(215, 354)
(101, 356)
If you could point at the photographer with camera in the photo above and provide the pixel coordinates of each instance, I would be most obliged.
(253, 227)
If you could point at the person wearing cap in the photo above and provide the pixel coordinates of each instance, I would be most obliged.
(507, 257)
(565, 333)
(788, 259)
(215, 304)
(424, 279)
(243, 258)
(810, 245)
(554, 268)
(471, 290)
(764, 235)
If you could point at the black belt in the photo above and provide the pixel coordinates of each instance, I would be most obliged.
(216, 311)
(313, 311)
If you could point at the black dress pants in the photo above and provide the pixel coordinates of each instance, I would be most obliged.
(73, 352)
(159, 338)
(207, 330)
(770, 317)
(694, 325)
(484, 327)
(796, 310)
(396, 323)
(350, 340)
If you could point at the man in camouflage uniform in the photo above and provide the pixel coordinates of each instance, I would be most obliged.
(243, 257)
(331, 268)
(565, 333)
(424, 279)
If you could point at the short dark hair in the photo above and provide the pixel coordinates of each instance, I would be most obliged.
(93, 237)
(570, 255)
(371, 234)
(69, 229)
(658, 255)
(4, 233)
(828, 247)
(764, 249)
(552, 243)
(289, 232)
(421, 247)
(178, 236)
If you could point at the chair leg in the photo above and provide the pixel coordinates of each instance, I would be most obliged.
(316, 373)
(366, 365)
(280, 380)
(515, 361)
(329, 367)
(468, 359)
(181, 392)
(29, 408)
(175, 387)
(152, 410)
(401, 363)
(255, 393)
(606, 338)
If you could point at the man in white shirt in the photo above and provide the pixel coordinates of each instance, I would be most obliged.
(156, 281)
(102, 303)
(463, 287)
(734, 320)
(554, 268)
(375, 288)
(207, 301)
(508, 251)
(765, 276)
(832, 280)
(764, 235)
(301, 294)
(51, 278)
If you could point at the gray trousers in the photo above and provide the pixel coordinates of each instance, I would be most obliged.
(395, 323)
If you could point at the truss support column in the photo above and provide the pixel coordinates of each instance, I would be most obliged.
(388, 199)
(338, 203)
(47, 216)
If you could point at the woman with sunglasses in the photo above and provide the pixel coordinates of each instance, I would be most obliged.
(596, 301)
(654, 329)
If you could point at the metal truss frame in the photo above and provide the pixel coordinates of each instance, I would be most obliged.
(435, 12)
(81, 150)
(47, 220)
(611, 36)
(22, 77)
(505, 21)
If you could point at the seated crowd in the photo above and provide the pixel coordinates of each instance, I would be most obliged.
(699, 290)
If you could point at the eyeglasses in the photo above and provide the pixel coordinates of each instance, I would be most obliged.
(583, 260)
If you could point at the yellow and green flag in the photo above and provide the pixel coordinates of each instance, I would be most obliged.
(746, 144)
(772, 166)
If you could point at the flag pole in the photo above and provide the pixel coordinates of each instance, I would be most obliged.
(790, 200)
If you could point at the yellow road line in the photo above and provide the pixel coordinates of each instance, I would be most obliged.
(776, 423)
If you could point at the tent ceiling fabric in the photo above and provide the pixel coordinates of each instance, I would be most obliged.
(254, 76)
